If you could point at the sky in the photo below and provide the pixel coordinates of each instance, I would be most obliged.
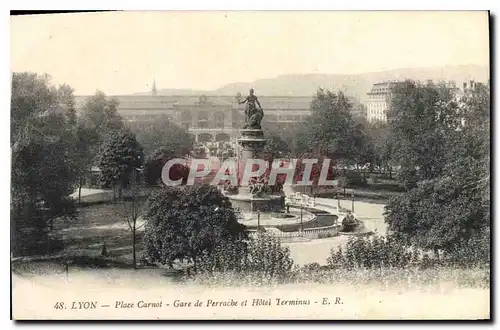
(123, 52)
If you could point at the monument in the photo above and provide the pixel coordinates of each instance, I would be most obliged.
(257, 196)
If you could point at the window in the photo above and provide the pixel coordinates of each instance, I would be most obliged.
(203, 120)
(219, 120)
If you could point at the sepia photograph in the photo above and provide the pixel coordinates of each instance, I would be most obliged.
(250, 165)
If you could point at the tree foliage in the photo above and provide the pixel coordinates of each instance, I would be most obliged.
(100, 113)
(375, 252)
(189, 224)
(449, 206)
(119, 155)
(378, 136)
(99, 117)
(287, 133)
(268, 257)
(154, 164)
(162, 134)
(262, 255)
(162, 141)
(44, 159)
(330, 129)
(424, 119)
(276, 148)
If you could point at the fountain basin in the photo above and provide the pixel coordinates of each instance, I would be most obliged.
(250, 204)
(274, 219)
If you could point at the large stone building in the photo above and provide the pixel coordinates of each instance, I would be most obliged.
(379, 98)
(212, 118)
(380, 95)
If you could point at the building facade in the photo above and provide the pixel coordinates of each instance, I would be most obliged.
(211, 118)
(379, 100)
(380, 95)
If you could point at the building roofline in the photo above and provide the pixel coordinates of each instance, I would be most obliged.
(208, 96)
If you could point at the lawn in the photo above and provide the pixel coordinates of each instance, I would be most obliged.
(94, 226)
(106, 223)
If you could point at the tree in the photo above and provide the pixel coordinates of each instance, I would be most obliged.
(362, 151)
(162, 141)
(315, 170)
(99, 117)
(154, 164)
(119, 155)
(330, 129)
(189, 224)
(162, 134)
(85, 151)
(451, 209)
(424, 119)
(286, 132)
(276, 148)
(474, 140)
(378, 134)
(134, 205)
(44, 167)
(441, 213)
(101, 113)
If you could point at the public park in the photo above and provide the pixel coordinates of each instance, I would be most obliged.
(97, 197)
(357, 182)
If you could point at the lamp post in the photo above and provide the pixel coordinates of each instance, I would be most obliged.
(345, 180)
(258, 221)
(352, 196)
(301, 224)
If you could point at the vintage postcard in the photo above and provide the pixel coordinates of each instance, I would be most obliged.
(250, 165)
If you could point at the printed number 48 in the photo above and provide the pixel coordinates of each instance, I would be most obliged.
(59, 305)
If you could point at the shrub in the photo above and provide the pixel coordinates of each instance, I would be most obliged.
(375, 252)
(325, 235)
(189, 225)
(355, 178)
(474, 252)
(231, 256)
(262, 260)
(392, 252)
(267, 257)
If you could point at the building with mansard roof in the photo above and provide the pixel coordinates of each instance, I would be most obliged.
(211, 118)
(380, 97)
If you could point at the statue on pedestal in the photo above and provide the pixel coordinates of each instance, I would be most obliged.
(259, 187)
(253, 114)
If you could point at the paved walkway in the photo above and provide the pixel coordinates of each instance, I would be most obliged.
(318, 250)
(89, 191)
(371, 214)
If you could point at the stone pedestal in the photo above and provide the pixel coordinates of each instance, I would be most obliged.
(251, 204)
(252, 144)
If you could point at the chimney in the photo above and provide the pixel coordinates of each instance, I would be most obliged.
(465, 86)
